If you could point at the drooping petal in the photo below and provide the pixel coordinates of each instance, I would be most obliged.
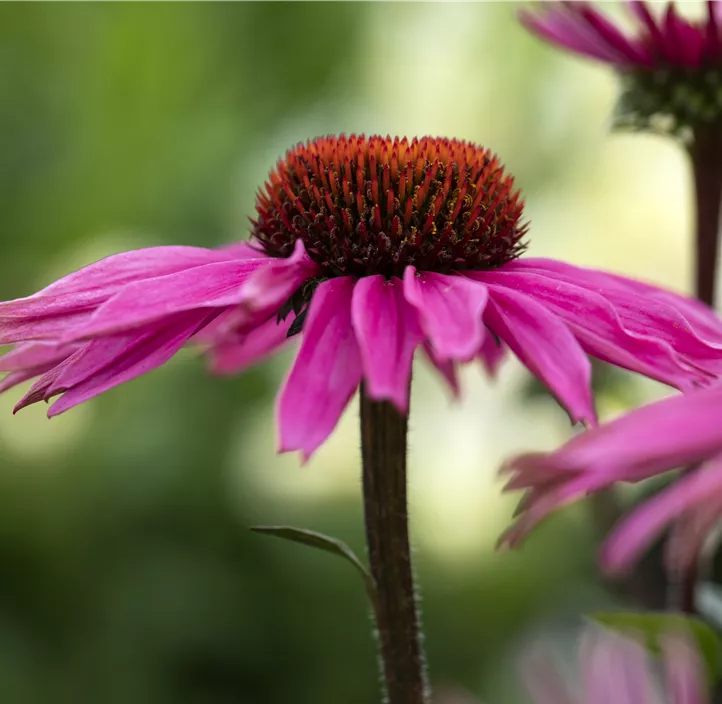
(34, 354)
(675, 432)
(646, 523)
(215, 285)
(14, 378)
(271, 286)
(30, 360)
(45, 387)
(447, 368)
(541, 502)
(67, 302)
(326, 372)
(545, 345)
(450, 310)
(234, 354)
(49, 319)
(672, 352)
(120, 269)
(107, 362)
(491, 354)
(388, 334)
(700, 318)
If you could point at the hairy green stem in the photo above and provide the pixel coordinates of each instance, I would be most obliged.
(383, 442)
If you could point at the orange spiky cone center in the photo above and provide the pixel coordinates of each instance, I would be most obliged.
(375, 205)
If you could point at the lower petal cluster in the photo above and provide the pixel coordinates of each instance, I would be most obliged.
(130, 313)
(677, 432)
(615, 668)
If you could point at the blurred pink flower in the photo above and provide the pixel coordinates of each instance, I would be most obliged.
(370, 249)
(676, 432)
(670, 66)
(669, 40)
(613, 669)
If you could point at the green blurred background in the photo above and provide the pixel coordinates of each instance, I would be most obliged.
(127, 573)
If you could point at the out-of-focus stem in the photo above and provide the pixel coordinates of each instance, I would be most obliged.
(706, 156)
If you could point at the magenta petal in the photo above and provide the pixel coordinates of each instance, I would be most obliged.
(272, 285)
(447, 368)
(542, 502)
(569, 31)
(326, 372)
(647, 523)
(45, 386)
(683, 43)
(30, 360)
(450, 310)
(703, 319)
(545, 345)
(387, 334)
(242, 250)
(47, 319)
(14, 378)
(211, 286)
(617, 334)
(120, 269)
(232, 355)
(634, 52)
(68, 302)
(34, 354)
(674, 432)
(107, 362)
(491, 354)
(641, 12)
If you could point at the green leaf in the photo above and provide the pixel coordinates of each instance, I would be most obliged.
(322, 542)
(652, 625)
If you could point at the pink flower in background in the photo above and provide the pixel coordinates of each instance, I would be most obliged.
(614, 669)
(369, 249)
(671, 66)
(673, 433)
(667, 39)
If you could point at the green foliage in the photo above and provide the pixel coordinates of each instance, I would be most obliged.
(322, 542)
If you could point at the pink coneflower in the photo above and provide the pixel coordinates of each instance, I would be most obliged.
(671, 66)
(663, 436)
(370, 249)
(671, 72)
(616, 669)
(666, 40)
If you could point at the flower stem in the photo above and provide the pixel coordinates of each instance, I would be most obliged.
(383, 442)
(706, 156)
